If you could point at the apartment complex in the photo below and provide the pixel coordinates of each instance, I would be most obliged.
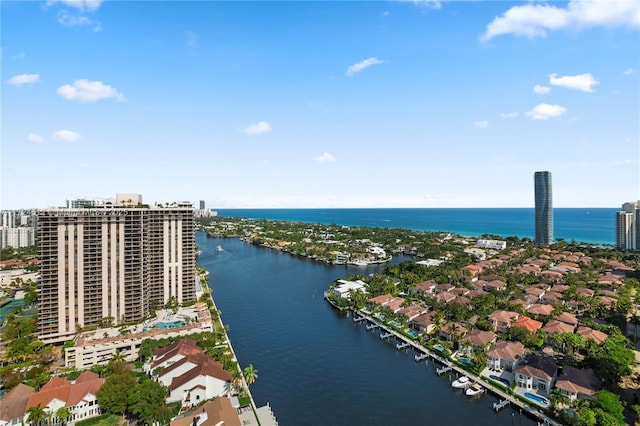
(543, 208)
(628, 227)
(112, 264)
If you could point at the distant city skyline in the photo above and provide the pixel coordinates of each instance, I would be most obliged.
(320, 104)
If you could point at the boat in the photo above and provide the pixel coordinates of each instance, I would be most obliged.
(219, 248)
(475, 389)
(461, 382)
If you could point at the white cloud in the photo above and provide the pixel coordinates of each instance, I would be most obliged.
(584, 82)
(72, 20)
(89, 91)
(630, 71)
(88, 5)
(510, 114)
(21, 79)
(481, 124)
(541, 89)
(66, 136)
(258, 128)
(33, 138)
(356, 68)
(535, 20)
(546, 111)
(427, 4)
(325, 158)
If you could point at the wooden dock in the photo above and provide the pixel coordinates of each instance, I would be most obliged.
(384, 335)
(420, 357)
(497, 406)
(402, 345)
(443, 370)
(372, 326)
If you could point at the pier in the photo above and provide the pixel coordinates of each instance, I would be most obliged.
(358, 319)
(384, 335)
(443, 370)
(372, 326)
(402, 345)
(420, 357)
(497, 406)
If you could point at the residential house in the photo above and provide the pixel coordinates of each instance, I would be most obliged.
(395, 304)
(13, 405)
(540, 310)
(504, 355)
(551, 276)
(501, 320)
(164, 357)
(423, 324)
(424, 288)
(453, 332)
(445, 297)
(527, 323)
(568, 318)
(412, 311)
(591, 334)
(345, 288)
(78, 396)
(460, 291)
(470, 272)
(553, 298)
(444, 288)
(477, 339)
(537, 373)
(578, 384)
(558, 327)
(586, 292)
(495, 285)
(194, 379)
(214, 412)
(534, 294)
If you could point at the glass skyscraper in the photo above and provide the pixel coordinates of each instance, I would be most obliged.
(544, 208)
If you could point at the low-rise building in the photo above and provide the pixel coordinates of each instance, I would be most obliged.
(537, 373)
(13, 405)
(578, 383)
(505, 355)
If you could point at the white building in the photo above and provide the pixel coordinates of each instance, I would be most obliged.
(23, 236)
(344, 288)
(492, 244)
(628, 227)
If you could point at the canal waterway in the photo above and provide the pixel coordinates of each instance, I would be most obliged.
(315, 365)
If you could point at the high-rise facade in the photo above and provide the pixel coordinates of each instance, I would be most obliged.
(112, 265)
(628, 227)
(543, 208)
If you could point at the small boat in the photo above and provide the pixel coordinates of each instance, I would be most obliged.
(475, 389)
(219, 248)
(461, 382)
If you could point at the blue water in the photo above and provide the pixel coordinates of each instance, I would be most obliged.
(589, 225)
(171, 324)
(315, 365)
(536, 398)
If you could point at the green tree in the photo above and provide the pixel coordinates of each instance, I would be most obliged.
(611, 405)
(62, 414)
(36, 414)
(250, 374)
(113, 394)
(146, 401)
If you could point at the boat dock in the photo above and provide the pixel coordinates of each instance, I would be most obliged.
(443, 370)
(425, 353)
(358, 319)
(497, 406)
(402, 345)
(420, 357)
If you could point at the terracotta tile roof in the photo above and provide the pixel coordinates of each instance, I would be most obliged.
(480, 337)
(445, 297)
(204, 366)
(540, 309)
(396, 304)
(426, 286)
(527, 323)
(383, 299)
(182, 347)
(587, 292)
(506, 350)
(462, 301)
(568, 318)
(591, 334)
(477, 293)
(538, 366)
(578, 381)
(424, 320)
(555, 326)
(13, 405)
(560, 288)
(218, 412)
(503, 316)
(66, 391)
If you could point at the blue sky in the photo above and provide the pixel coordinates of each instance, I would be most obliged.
(320, 104)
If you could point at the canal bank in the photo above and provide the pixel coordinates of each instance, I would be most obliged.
(316, 366)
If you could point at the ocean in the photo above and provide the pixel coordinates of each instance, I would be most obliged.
(582, 225)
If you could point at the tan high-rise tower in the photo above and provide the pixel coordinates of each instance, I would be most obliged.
(112, 264)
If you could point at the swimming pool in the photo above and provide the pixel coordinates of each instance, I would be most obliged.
(412, 334)
(170, 324)
(536, 398)
(500, 379)
(466, 361)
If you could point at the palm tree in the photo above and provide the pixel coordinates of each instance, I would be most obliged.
(62, 414)
(36, 414)
(118, 357)
(250, 374)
